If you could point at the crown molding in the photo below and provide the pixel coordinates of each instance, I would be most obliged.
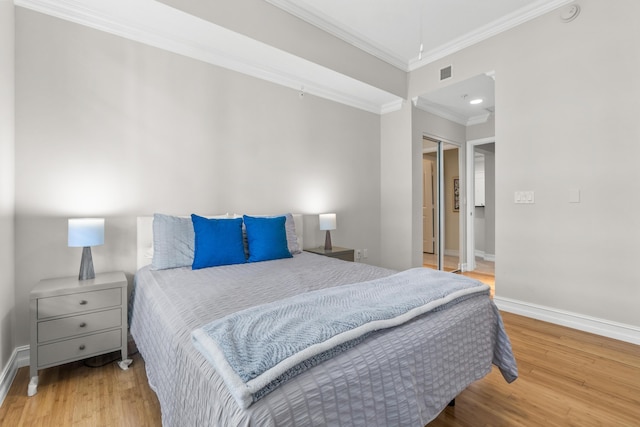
(326, 23)
(496, 27)
(145, 21)
(447, 114)
(479, 119)
(439, 111)
(331, 26)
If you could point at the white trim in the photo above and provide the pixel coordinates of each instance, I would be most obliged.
(440, 142)
(326, 23)
(19, 358)
(147, 21)
(505, 23)
(478, 120)
(440, 111)
(331, 26)
(484, 256)
(447, 114)
(594, 325)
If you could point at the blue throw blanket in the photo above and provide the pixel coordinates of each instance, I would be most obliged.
(256, 349)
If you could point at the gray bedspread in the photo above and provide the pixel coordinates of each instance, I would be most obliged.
(402, 376)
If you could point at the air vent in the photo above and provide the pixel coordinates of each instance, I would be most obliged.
(445, 73)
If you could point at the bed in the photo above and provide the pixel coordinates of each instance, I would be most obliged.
(404, 375)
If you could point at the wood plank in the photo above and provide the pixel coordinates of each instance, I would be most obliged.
(75, 394)
(567, 377)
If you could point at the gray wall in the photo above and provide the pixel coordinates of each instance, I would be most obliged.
(108, 127)
(7, 299)
(398, 198)
(490, 204)
(564, 113)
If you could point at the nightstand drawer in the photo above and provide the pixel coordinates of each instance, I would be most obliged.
(78, 302)
(345, 256)
(77, 325)
(79, 348)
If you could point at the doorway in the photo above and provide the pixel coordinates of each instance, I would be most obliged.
(441, 204)
(481, 212)
(462, 112)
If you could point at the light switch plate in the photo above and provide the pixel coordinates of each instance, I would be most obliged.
(524, 197)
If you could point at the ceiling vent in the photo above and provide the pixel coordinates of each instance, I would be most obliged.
(445, 73)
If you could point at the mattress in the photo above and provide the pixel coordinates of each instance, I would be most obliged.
(400, 376)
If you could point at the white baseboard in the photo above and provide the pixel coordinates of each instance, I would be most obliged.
(618, 331)
(485, 256)
(18, 359)
(452, 252)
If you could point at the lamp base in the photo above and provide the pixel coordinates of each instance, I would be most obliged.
(327, 241)
(86, 265)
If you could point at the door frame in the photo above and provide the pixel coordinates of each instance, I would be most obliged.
(431, 165)
(440, 242)
(471, 205)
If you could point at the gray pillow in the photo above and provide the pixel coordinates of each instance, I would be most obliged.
(292, 239)
(173, 242)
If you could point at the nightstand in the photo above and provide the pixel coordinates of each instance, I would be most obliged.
(75, 319)
(344, 254)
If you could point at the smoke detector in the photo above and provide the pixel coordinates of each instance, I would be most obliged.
(570, 13)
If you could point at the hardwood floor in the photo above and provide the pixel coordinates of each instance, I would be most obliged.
(451, 263)
(77, 395)
(567, 378)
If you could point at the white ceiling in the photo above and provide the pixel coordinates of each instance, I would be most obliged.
(394, 30)
(390, 30)
(453, 102)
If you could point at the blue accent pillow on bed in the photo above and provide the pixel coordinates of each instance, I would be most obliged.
(217, 242)
(266, 238)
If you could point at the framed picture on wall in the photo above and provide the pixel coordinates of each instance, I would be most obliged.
(456, 194)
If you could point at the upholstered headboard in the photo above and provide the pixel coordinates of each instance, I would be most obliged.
(145, 238)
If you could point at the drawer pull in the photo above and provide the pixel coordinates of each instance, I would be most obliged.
(81, 347)
(83, 324)
(83, 302)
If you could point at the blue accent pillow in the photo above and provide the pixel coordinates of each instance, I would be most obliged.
(266, 238)
(217, 242)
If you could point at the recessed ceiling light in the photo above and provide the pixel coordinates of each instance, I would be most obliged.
(476, 101)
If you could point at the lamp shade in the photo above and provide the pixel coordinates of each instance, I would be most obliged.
(328, 221)
(85, 232)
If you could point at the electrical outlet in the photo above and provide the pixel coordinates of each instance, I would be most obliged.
(365, 253)
(358, 255)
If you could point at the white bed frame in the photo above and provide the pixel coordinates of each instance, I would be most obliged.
(144, 248)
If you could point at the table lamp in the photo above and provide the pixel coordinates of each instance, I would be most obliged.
(328, 223)
(84, 233)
